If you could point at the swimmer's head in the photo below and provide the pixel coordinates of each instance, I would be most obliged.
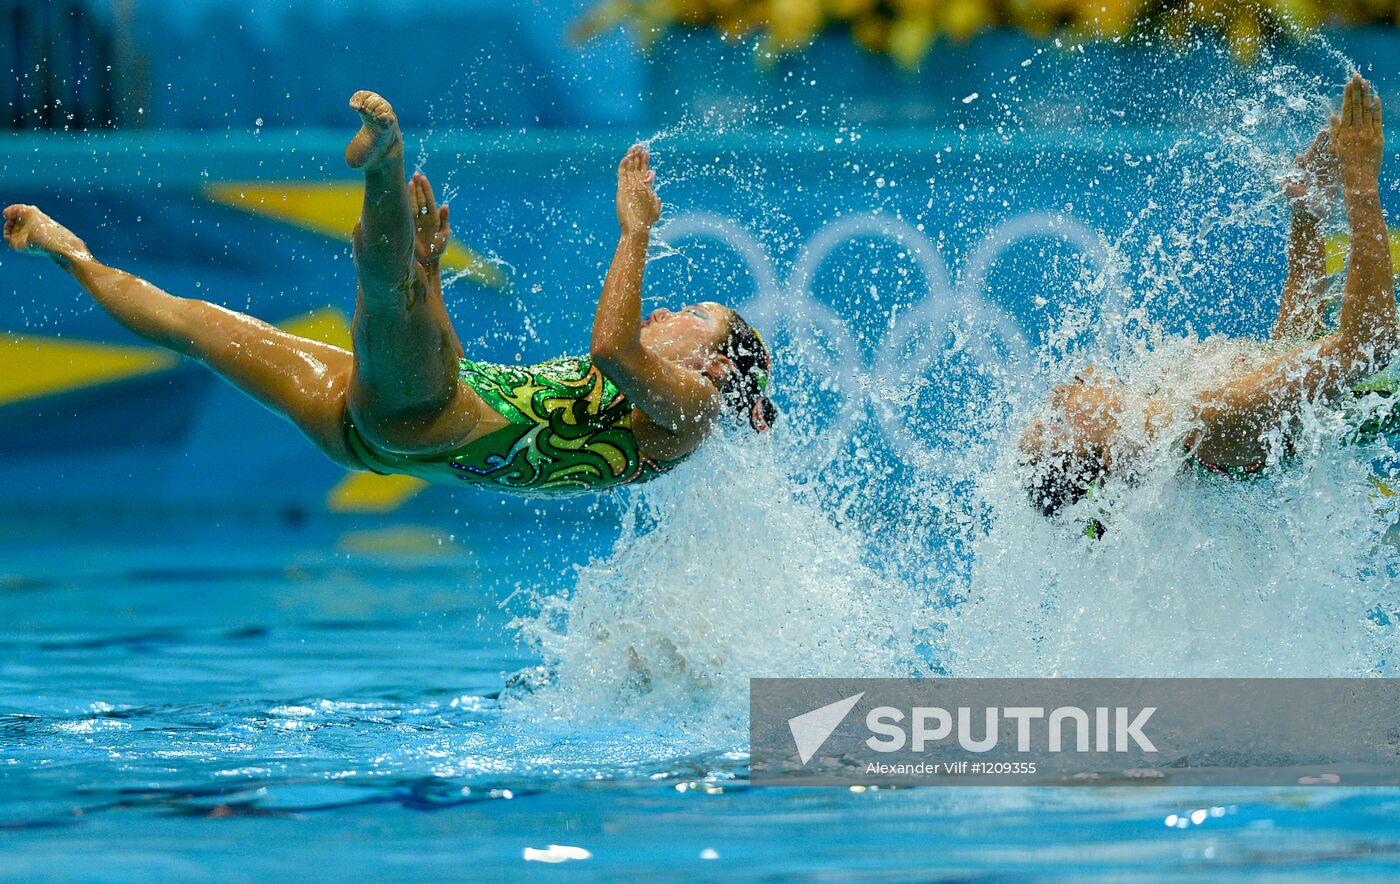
(744, 381)
(1070, 449)
(717, 342)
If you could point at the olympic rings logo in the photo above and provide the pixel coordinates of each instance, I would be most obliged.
(916, 336)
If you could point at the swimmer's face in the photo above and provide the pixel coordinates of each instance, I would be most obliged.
(689, 333)
(1083, 418)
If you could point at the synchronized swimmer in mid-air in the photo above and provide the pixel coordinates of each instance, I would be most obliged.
(408, 401)
(1091, 432)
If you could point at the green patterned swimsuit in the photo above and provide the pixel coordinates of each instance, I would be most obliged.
(569, 432)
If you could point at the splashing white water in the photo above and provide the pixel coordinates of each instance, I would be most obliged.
(1288, 573)
(725, 572)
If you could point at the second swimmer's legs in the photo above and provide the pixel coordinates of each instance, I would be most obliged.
(404, 392)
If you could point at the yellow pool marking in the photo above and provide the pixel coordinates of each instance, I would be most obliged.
(327, 325)
(1339, 244)
(331, 209)
(372, 493)
(411, 539)
(34, 366)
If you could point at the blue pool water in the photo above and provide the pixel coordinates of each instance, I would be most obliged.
(240, 702)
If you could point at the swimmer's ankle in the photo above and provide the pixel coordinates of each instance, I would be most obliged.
(386, 168)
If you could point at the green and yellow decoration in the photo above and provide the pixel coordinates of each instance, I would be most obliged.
(905, 30)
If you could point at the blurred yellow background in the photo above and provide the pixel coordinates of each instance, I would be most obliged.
(905, 30)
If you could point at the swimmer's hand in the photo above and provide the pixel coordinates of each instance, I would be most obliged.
(430, 228)
(638, 206)
(1358, 137)
(29, 230)
(1311, 182)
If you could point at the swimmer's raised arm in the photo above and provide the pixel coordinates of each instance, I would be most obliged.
(676, 398)
(1368, 335)
(431, 230)
(1368, 321)
(1309, 188)
(431, 233)
(617, 323)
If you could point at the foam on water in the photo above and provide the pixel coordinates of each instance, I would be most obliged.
(729, 571)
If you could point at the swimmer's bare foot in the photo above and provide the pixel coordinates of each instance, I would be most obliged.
(1311, 184)
(378, 139)
(29, 230)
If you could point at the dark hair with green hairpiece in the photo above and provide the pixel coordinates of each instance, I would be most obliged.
(745, 388)
(1060, 480)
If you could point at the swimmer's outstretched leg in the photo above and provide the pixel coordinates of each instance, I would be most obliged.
(405, 394)
(303, 380)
